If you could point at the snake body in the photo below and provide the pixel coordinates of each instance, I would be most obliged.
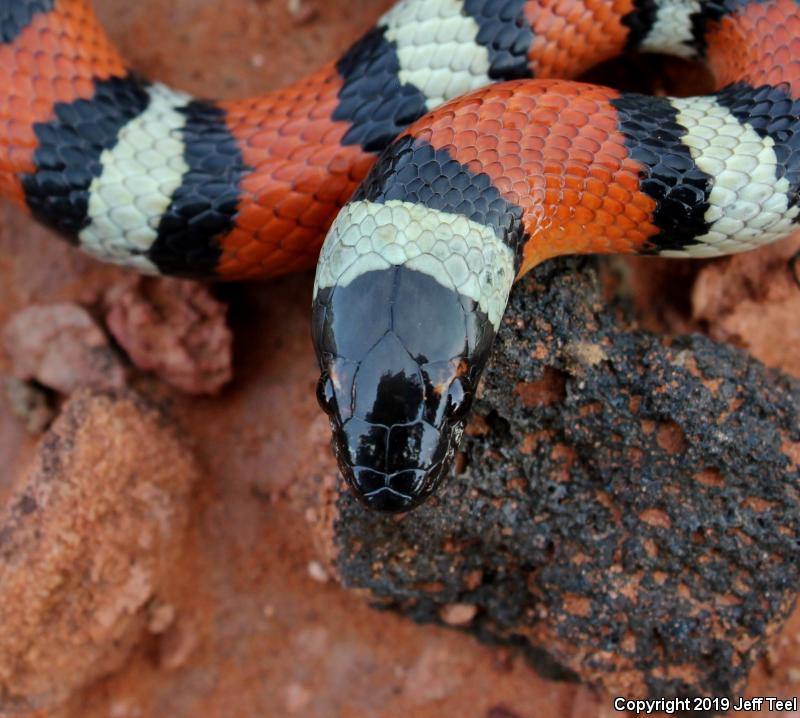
(414, 275)
(459, 188)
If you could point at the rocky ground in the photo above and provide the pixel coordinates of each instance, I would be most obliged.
(171, 545)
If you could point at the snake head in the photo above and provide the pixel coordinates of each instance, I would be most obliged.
(400, 351)
(399, 357)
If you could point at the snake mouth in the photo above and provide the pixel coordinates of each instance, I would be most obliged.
(387, 501)
(393, 492)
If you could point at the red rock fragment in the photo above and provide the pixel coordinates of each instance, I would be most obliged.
(87, 537)
(670, 438)
(547, 390)
(753, 300)
(61, 347)
(656, 517)
(175, 329)
(710, 477)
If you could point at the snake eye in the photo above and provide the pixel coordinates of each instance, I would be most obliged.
(459, 399)
(326, 395)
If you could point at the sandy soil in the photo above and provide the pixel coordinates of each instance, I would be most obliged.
(259, 629)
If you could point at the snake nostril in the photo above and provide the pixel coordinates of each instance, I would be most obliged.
(459, 399)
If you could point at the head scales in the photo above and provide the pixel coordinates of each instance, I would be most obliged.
(407, 301)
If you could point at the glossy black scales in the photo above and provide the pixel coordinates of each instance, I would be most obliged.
(70, 147)
(669, 174)
(16, 15)
(771, 112)
(373, 99)
(505, 33)
(204, 207)
(400, 355)
(644, 14)
(378, 104)
(414, 171)
(639, 22)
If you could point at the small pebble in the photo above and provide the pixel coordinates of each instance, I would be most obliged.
(297, 697)
(161, 618)
(301, 12)
(317, 572)
(458, 614)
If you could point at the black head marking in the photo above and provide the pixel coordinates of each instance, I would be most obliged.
(400, 356)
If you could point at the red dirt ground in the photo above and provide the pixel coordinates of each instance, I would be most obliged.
(258, 630)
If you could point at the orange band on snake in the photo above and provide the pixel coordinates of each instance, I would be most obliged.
(145, 176)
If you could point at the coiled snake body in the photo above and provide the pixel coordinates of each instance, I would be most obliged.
(415, 272)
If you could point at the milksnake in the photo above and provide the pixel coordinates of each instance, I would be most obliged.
(456, 195)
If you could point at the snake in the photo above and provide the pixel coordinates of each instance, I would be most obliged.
(440, 158)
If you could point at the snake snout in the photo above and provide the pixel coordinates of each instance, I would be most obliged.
(394, 468)
(390, 493)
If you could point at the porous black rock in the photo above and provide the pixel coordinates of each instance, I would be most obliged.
(625, 508)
